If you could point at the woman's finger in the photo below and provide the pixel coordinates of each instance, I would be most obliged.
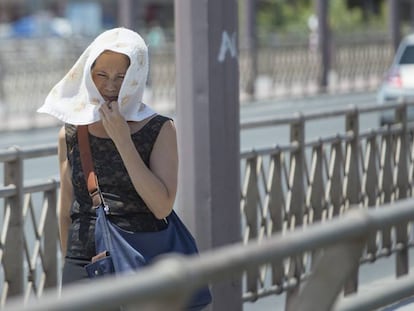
(102, 113)
(115, 106)
(106, 108)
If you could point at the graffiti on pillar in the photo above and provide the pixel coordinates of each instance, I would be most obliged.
(228, 44)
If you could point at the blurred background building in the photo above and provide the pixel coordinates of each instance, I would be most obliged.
(67, 17)
(31, 18)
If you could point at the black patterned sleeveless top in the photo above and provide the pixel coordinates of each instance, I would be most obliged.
(128, 210)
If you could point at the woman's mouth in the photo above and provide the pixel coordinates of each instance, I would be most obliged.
(111, 98)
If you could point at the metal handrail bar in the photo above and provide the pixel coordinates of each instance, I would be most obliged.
(37, 151)
(345, 137)
(7, 155)
(271, 121)
(379, 297)
(268, 150)
(375, 107)
(329, 139)
(8, 191)
(40, 151)
(294, 146)
(315, 142)
(385, 253)
(43, 185)
(184, 274)
(32, 186)
(288, 284)
(287, 119)
(393, 129)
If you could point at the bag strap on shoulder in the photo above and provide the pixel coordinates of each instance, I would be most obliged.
(87, 165)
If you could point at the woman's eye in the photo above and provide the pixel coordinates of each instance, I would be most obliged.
(121, 77)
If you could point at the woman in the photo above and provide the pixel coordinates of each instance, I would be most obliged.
(134, 150)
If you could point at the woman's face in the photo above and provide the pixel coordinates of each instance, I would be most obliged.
(108, 73)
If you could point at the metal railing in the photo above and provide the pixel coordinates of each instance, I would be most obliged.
(29, 69)
(284, 188)
(29, 232)
(168, 283)
(311, 180)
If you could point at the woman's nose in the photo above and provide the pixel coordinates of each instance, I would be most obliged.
(110, 85)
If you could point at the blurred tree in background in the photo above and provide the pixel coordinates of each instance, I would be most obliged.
(282, 18)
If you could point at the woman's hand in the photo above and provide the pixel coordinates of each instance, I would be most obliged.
(114, 123)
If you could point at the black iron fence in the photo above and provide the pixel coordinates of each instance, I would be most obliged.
(29, 69)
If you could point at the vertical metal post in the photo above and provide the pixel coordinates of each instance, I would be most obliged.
(352, 191)
(352, 183)
(13, 252)
(324, 40)
(371, 187)
(50, 244)
(394, 24)
(334, 193)
(252, 198)
(296, 199)
(125, 13)
(250, 45)
(208, 129)
(386, 182)
(402, 182)
(276, 206)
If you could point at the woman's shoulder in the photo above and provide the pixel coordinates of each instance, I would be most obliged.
(153, 127)
(155, 123)
(159, 118)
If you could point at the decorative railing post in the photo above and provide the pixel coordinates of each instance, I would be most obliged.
(352, 179)
(276, 206)
(334, 185)
(402, 184)
(370, 187)
(13, 248)
(386, 183)
(50, 243)
(315, 200)
(296, 198)
(250, 206)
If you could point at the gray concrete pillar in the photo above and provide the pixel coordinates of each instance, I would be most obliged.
(208, 129)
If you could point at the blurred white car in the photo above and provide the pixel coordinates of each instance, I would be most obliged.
(398, 83)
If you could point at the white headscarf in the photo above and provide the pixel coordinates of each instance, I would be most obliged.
(76, 100)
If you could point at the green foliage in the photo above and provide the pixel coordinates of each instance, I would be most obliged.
(283, 16)
(291, 17)
(342, 18)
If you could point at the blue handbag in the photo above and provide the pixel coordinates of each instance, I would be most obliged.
(127, 251)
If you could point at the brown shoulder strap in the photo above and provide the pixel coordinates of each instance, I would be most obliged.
(87, 166)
